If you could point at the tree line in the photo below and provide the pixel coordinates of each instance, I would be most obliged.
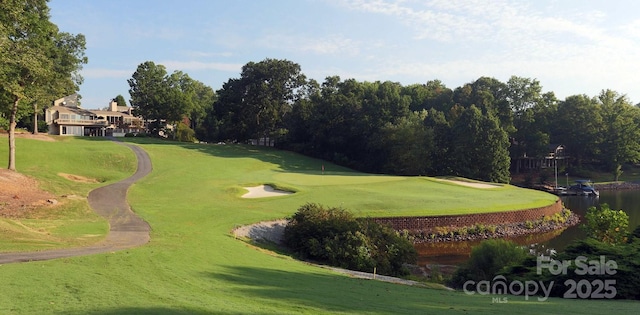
(473, 131)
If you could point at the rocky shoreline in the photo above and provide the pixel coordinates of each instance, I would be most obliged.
(272, 231)
(618, 186)
(509, 230)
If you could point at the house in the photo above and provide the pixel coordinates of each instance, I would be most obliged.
(66, 117)
(555, 157)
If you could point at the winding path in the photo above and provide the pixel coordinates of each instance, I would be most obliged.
(126, 229)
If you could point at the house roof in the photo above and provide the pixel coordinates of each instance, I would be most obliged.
(110, 113)
(73, 110)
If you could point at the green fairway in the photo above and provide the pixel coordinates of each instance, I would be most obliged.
(193, 264)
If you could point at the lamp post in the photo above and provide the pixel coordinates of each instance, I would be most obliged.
(555, 164)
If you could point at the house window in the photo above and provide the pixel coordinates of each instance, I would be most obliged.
(64, 116)
(72, 130)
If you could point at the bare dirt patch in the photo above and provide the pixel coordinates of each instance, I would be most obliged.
(20, 195)
(28, 135)
(78, 178)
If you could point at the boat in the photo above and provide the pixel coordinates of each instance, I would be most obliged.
(583, 187)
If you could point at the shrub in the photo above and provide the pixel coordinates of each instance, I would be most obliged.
(184, 133)
(634, 235)
(334, 236)
(487, 259)
(607, 225)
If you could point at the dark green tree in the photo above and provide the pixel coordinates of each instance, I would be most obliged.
(158, 97)
(620, 131)
(202, 99)
(36, 61)
(489, 95)
(578, 126)
(480, 147)
(120, 100)
(523, 93)
(407, 145)
(261, 98)
(434, 94)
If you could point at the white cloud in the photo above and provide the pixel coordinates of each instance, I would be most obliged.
(327, 45)
(105, 73)
(204, 54)
(198, 65)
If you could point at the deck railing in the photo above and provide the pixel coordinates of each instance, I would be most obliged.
(81, 122)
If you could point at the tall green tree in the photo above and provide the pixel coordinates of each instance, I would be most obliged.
(480, 147)
(257, 103)
(149, 93)
(68, 58)
(406, 145)
(36, 60)
(160, 97)
(620, 131)
(202, 101)
(489, 95)
(577, 125)
(523, 93)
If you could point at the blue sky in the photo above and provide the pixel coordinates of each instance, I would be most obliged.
(571, 47)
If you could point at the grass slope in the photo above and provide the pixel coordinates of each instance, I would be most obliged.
(193, 265)
(72, 222)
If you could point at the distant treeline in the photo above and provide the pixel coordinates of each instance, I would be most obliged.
(473, 131)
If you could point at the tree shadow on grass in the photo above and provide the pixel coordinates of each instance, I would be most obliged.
(286, 160)
(323, 292)
(147, 311)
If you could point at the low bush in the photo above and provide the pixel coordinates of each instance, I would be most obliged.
(184, 133)
(336, 237)
(487, 259)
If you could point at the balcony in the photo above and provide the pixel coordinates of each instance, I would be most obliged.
(81, 122)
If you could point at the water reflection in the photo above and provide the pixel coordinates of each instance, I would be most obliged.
(454, 253)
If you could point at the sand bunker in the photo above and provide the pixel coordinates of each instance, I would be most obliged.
(471, 184)
(272, 231)
(264, 191)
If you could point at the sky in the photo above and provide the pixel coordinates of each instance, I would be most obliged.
(571, 47)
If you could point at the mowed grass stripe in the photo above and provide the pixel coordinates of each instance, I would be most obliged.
(193, 264)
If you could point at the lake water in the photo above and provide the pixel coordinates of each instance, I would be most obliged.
(453, 253)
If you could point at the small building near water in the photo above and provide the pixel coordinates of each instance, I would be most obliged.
(555, 157)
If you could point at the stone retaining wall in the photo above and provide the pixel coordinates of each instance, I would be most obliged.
(495, 218)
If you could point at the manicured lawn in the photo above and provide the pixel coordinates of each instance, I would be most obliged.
(71, 222)
(193, 264)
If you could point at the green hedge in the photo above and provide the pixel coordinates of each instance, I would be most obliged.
(334, 236)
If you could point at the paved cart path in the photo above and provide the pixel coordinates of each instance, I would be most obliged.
(126, 229)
